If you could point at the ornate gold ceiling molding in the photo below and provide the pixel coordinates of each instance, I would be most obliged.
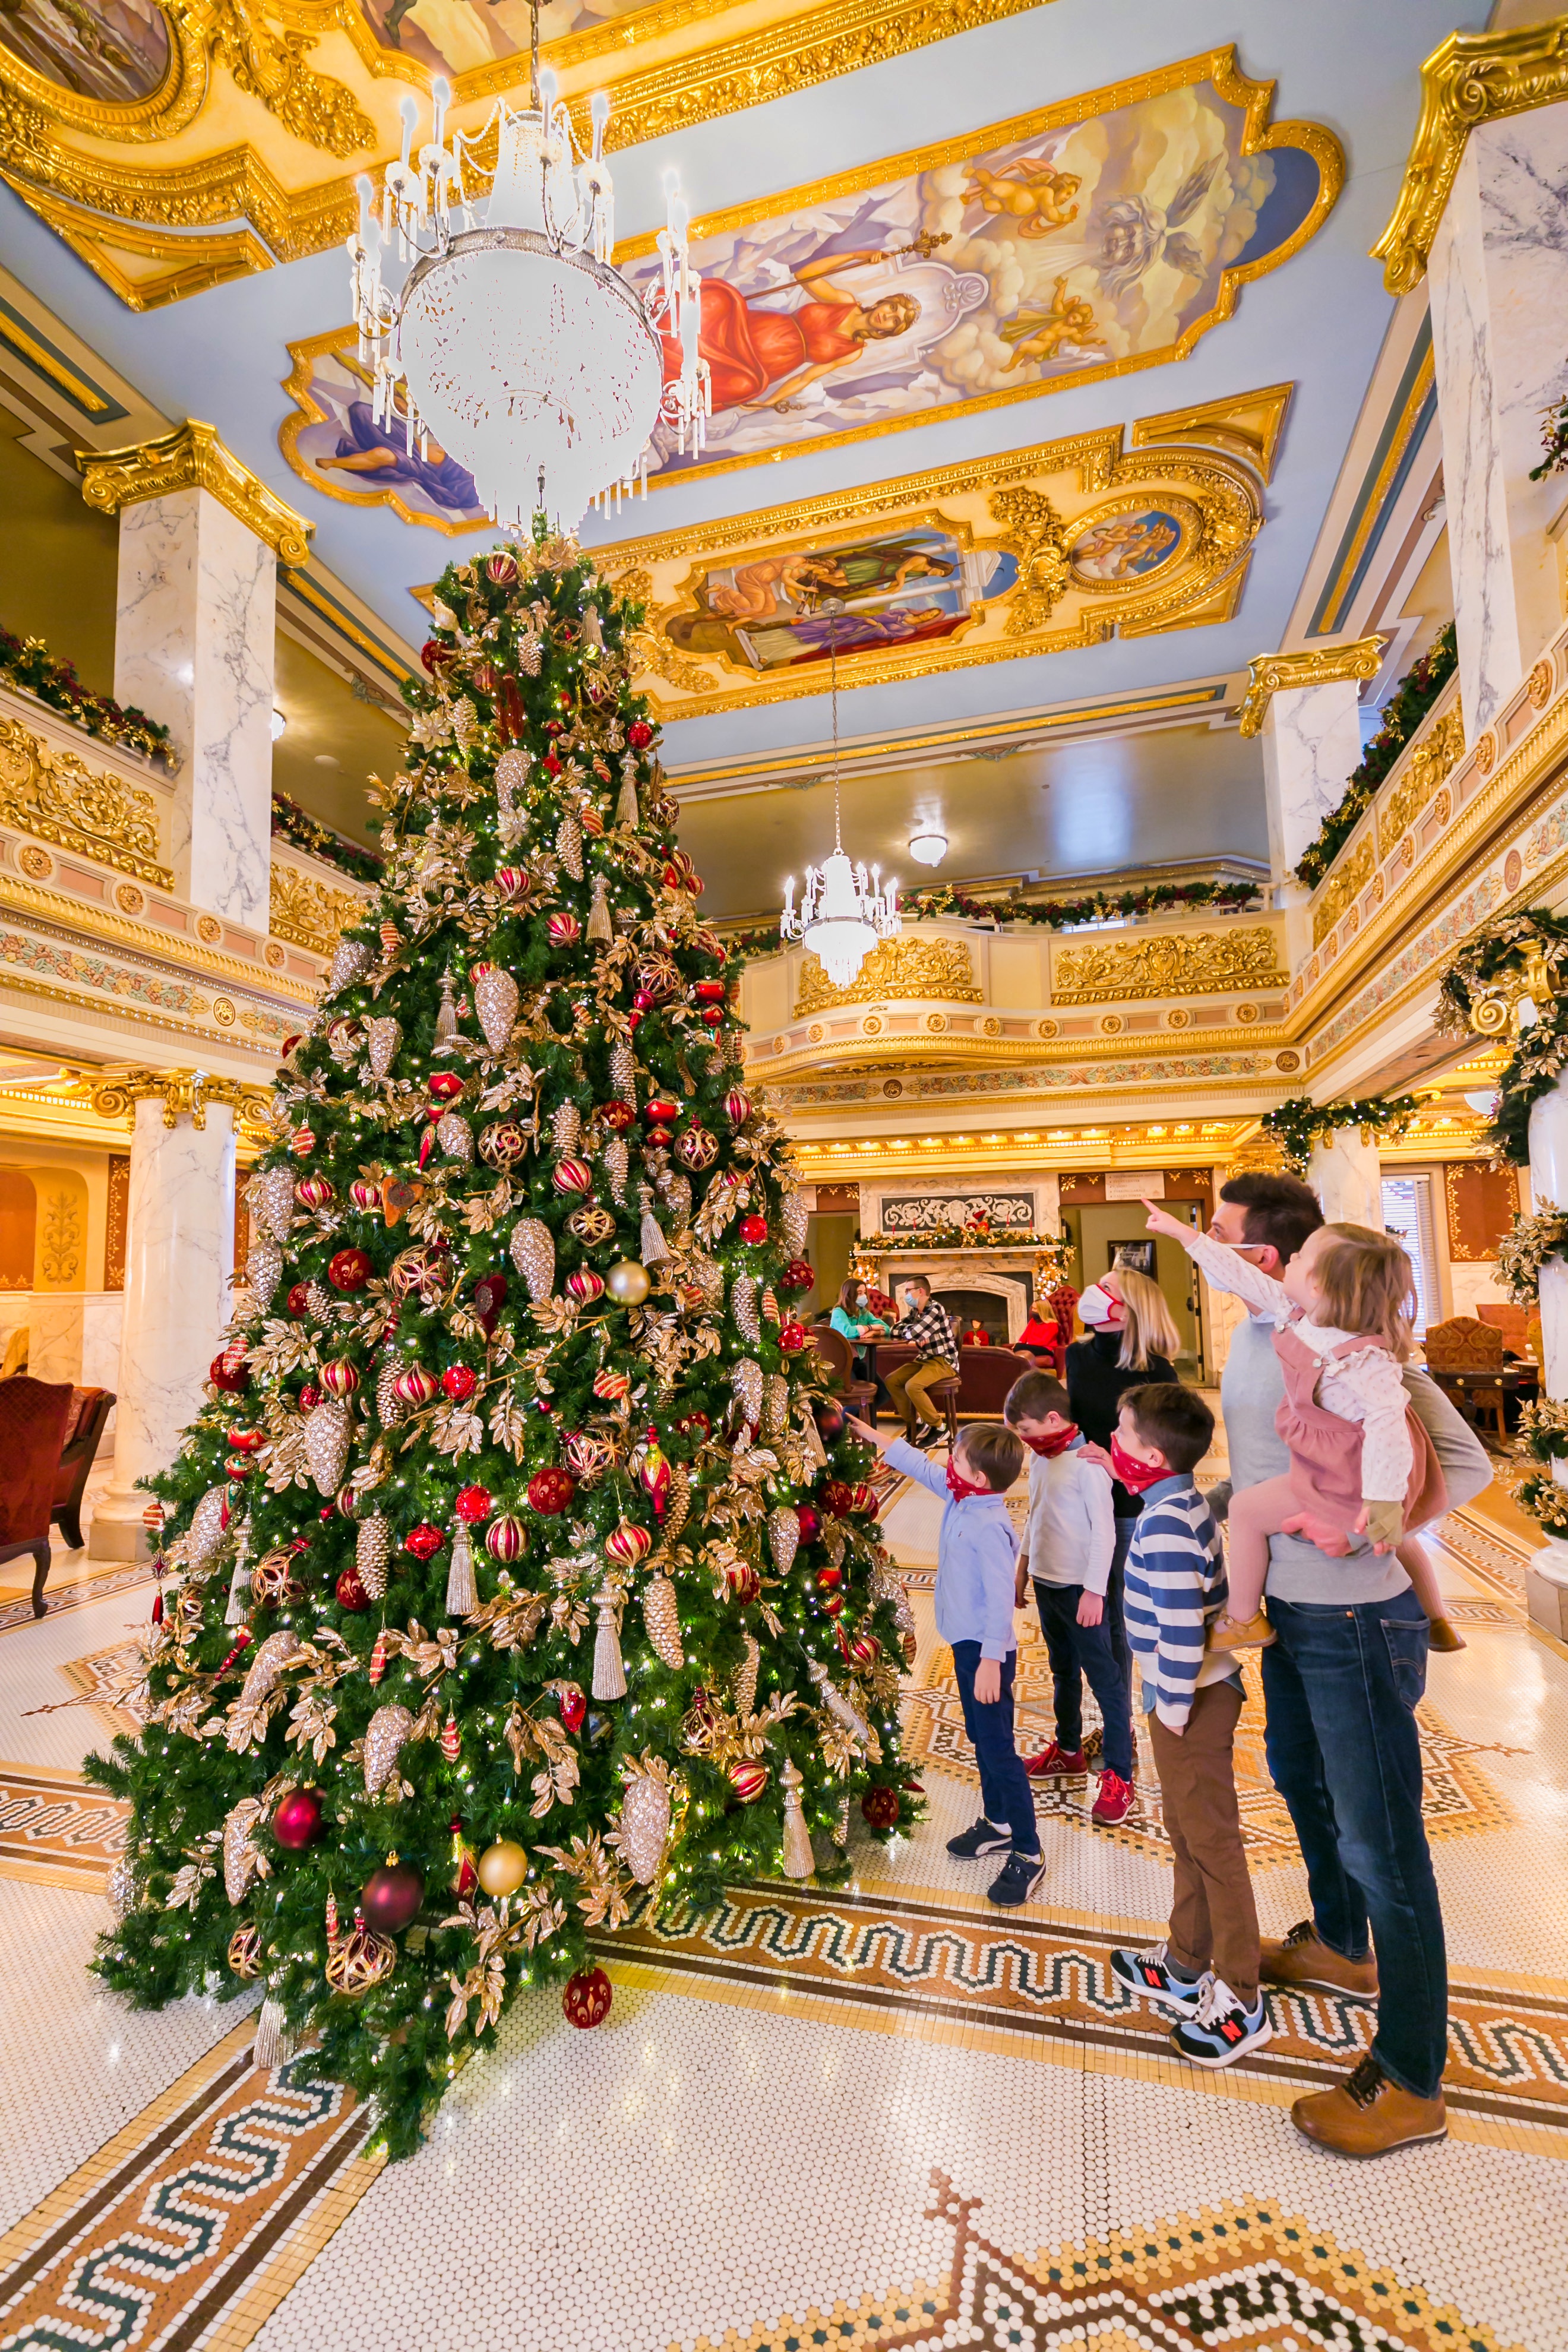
(255, 182)
(193, 456)
(1272, 674)
(899, 969)
(1004, 510)
(1473, 78)
(185, 1094)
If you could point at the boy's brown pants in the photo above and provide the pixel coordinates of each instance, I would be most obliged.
(1213, 1922)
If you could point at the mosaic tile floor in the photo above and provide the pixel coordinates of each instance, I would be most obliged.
(877, 2116)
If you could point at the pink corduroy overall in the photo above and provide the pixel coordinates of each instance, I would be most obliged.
(1325, 1449)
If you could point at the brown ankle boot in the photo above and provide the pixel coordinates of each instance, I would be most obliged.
(1366, 2114)
(1302, 1962)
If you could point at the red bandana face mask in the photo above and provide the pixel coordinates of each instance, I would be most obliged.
(1056, 1442)
(960, 1488)
(1136, 1476)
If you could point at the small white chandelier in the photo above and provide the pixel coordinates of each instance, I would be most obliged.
(514, 343)
(844, 912)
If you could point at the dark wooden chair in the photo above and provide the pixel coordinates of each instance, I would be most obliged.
(34, 1418)
(838, 1358)
(1459, 1354)
(91, 1408)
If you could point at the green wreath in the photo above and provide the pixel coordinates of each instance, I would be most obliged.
(1473, 998)
(1297, 1125)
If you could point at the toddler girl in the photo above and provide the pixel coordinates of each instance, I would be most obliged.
(1360, 1459)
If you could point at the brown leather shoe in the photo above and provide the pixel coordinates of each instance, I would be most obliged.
(1304, 1963)
(1366, 2114)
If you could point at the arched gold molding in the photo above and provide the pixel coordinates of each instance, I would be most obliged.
(1272, 674)
(194, 455)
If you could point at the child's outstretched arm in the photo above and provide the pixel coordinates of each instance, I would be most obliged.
(903, 1456)
(1224, 1266)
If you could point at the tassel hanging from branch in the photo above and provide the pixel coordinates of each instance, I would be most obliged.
(798, 1860)
(609, 1674)
(462, 1592)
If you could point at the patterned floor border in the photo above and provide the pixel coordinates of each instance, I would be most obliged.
(1244, 2273)
(55, 1830)
(85, 1592)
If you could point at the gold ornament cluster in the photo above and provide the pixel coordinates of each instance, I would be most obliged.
(56, 797)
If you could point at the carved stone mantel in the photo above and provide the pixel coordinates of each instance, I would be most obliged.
(968, 1269)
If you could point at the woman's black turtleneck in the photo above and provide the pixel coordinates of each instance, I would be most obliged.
(1096, 1386)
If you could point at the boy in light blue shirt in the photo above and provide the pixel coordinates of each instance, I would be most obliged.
(977, 1552)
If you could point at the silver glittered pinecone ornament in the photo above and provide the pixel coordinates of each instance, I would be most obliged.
(744, 1685)
(743, 1308)
(566, 1128)
(351, 962)
(388, 1730)
(270, 1198)
(205, 1531)
(264, 1269)
(792, 1223)
(383, 1038)
(388, 1403)
(569, 845)
(746, 1380)
(373, 1550)
(495, 1004)
(455, 1136)
(783, 1537)
(645, 1824)
(623, 1071)
(775, 1406)
(616, 1161)
(533, 1254)
(661, 1617)
(327, 1428)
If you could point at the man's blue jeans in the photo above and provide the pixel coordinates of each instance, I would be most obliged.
(1341, 1687)
(1005, 1792)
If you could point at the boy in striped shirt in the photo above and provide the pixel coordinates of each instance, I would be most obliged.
(1205, 1972)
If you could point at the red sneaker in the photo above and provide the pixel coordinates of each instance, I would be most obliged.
(1057, 1763)
(1114, 1801)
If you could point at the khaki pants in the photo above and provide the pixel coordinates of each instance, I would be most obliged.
(907, 1387)
(1213, 1923)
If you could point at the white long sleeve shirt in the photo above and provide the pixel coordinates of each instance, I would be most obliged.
(1366, 1387)
(1071, 1533)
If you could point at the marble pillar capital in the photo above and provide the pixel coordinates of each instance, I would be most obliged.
(1271, 674)
(192, 456)
(1473, 77)
(185, 1094)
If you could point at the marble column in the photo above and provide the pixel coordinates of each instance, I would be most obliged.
(1347, 1176)
(1311, 742)
(195, 627)
(179, 1257)
(1498, 271)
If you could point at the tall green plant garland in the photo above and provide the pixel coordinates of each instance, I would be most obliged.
(1297, 1125)
(1500, 952)
(1406, 706)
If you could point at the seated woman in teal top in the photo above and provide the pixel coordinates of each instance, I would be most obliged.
(852, 1316)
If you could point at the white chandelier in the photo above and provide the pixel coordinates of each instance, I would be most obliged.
(513, 343)
(844, 911)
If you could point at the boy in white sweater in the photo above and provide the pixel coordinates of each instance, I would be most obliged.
(1066, 1553)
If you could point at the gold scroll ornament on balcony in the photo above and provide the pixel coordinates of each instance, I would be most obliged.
(309, 913)
(1171, 964)
(902, 967)
(56, 797)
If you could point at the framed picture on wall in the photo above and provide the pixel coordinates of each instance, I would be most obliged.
(1138, 1255)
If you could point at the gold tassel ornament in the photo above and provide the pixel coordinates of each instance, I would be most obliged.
(798, 1858)
(462, 1592)
(609, 1674)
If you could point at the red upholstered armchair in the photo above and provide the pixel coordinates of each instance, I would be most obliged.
(89, 1409)
(34, 1417)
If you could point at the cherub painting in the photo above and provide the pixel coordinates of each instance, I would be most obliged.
(1125, 546)
(1057, 246)
(453, 36)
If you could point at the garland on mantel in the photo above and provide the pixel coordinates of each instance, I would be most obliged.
(951, 1238)
(1297, 1125)
(27, 666)
(1406, 706)
(291, 823)
(1476, 994)
(1058, 914)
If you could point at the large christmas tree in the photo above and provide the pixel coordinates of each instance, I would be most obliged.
(524, 1562)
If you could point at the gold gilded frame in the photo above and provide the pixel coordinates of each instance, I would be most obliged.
(161, 115)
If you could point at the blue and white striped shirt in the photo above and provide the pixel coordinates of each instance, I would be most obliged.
(1175, 1587)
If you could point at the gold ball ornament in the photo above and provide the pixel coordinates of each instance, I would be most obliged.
(502, 1867)
(628, 1282)
(592, 1224)
(363, 1960)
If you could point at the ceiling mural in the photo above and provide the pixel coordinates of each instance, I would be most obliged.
(115, 51)
(454, 37)
(1101, 235)
(333, 442)
(1032, 552)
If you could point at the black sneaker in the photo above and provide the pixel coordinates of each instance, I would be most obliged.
(978, 1838)
(1149, 1974)
(1017, 1880)
(1221, 2031)
(926, 1437)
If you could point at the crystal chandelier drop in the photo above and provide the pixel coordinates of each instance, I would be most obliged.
(844, 911)
(513, 341)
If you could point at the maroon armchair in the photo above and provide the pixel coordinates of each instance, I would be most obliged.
(89, 1409)
(838, 1356)
(34, 1417)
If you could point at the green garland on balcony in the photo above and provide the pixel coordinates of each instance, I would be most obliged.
(1297, 1125)
(291, 823)
(1100, 906)
(1525, 1248)
(1479, 976)
(1407, 706)
(27, 666)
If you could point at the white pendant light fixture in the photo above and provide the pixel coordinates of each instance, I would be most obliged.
(928, 845)
(513, 340)
(844, 911)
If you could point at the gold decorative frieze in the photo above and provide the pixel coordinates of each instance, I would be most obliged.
(1170, 963)
(309, 913)
(1473, 77)
(1427, 763)
(56, 796)
(1067, 544)
(187, 1094)
(903, 967)
(1272, 674)
(194, 456)
(1344, 885)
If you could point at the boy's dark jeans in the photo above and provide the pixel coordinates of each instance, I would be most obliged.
(1004, 1792)
(1078, 1650)
(1339, 1685)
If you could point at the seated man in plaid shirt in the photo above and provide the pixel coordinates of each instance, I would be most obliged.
(929, 1330)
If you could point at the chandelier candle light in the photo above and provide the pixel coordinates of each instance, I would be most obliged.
(514, 340)
(844, 911)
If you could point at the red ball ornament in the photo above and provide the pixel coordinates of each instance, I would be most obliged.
(365, 1196)
(310, 1397)
(586, 1999)
(791, 1337)
(572, 1176)
(585, 1286)
(737, 1106)
(312, 1192)
(446, 1085)
(748, 1779)
(832, 1602)
(881, 1807)
(459, 1381)
(238, 1466)
(297, 1824)
(424, 1540)
(742, 1580)
(563, 928)
(434, 656)
(391, 1897)
(299, 1298)
(473, 1504)
(714, 1015)
(639, 734)
(507, 1540)
(797, 1276)
(711, 992)
(232, 1381)
(349, 1269)
(809, 1521)
(616, 1115)
(661, 1111)
(415, 1387)
(830, 1578)
(753, 1228)
(573, 1705)
(838, 1497)
(247, 1441)
(550, 1490)
(351, 1594)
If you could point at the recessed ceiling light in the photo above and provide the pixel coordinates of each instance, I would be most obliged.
(279, 724)
(928, 846)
